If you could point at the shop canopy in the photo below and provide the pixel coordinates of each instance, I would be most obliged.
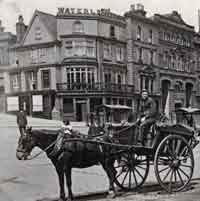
(114, 107)
(188, 110)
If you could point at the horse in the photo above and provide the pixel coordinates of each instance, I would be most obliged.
(77, 153)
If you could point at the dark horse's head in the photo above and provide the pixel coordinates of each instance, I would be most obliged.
(25, 145)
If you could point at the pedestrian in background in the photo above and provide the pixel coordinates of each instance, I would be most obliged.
(21, 121)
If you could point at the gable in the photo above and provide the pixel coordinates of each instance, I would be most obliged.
(37, 33)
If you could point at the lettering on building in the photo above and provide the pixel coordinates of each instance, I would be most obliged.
(84, 11)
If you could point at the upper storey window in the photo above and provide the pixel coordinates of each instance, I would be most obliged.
(150, 36)
(38, 35)
(107, 51)
(112, 31)
(78, 27)
(80, 47)
(139, 33)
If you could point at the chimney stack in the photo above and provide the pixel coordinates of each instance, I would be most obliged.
(20, 28)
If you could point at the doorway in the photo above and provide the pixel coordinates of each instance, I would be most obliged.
(81, 111)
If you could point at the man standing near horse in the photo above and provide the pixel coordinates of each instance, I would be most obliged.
(147, 115)
(21, 121)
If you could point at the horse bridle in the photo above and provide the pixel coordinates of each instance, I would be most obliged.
(39, 153)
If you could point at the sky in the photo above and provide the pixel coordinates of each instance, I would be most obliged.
(11, 9)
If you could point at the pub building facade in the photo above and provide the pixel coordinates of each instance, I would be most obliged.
(67, 64)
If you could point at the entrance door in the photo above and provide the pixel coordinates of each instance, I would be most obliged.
(81, 111)
(78, 112)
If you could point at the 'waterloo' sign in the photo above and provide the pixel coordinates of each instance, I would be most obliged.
(84, 11)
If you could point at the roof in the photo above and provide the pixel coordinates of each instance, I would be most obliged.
(48, 20)
(117, 107)
(174, 16)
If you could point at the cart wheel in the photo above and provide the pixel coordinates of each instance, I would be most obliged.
(174, 163)
(132, 171)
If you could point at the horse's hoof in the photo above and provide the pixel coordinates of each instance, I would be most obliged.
(111, 195)
(61, 199)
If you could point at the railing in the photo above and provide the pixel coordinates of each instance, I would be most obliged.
(95, 87)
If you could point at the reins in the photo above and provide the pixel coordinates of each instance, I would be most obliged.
(85, 140)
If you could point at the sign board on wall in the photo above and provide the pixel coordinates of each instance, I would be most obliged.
(13, 103)
(37, 103)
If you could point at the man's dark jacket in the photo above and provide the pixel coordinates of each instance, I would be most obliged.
(21, 119)
(148, 108)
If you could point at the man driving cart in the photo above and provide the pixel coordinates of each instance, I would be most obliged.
(147, 116)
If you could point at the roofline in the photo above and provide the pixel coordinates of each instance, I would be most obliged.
(162, 16)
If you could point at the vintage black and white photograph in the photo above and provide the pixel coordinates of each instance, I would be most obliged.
(99, 100)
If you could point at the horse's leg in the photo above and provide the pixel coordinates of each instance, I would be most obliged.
(108, 167)
(60, 172)
(68, 171)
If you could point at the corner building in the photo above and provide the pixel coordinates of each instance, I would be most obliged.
(69, 63)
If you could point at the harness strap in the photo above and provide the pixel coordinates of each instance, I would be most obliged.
(36, 155)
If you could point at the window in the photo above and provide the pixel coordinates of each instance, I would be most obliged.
(178, 87)
(139, 33)
(46, 78)
(31, 80)
(80, 48)
(38, 55)
(78, 27)
(68, 48)
(15, 81)
(112, 31)
(68, 105)
(34, 56)
(140, 54)
(150, 36)
(107, 51)
(90, 48)
(161, 59)
(38, 35)
(119, 79)
(79, 78)
(120, 53)
(151, 55)
(42, 54)
(107, 77)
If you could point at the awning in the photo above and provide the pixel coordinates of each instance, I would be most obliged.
(188, 110)
(115, 107)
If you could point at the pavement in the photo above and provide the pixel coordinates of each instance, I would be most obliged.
(37, 180)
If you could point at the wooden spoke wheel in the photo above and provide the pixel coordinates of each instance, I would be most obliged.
(174, 163)
(131, 170)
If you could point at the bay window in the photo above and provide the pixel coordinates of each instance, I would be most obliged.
(78, 78)
(80, 47)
